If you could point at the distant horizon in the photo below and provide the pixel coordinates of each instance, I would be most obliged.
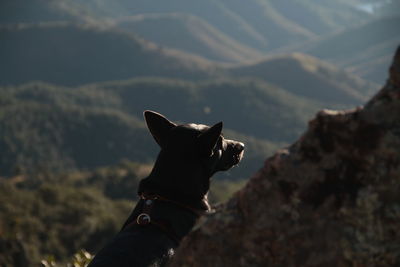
(372, 6)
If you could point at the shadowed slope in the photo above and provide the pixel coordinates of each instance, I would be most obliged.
(71, 54)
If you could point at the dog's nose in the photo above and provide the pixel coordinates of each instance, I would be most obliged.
(239, 147)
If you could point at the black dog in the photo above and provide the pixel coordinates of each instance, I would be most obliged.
(174, 195)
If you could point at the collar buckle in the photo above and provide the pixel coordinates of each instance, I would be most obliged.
(143, 219)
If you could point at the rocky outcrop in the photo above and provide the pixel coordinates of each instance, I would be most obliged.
(330, 199)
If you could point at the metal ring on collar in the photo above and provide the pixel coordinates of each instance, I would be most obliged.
(143, 219)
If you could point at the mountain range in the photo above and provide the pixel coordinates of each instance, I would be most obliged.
(71, 54)
(259, 23)
(47, 127)
(76, 77)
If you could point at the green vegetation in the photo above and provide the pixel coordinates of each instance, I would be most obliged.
(238, 103)
(80, 259)
(54, 218)
(50, 128)
(50, 217)
(46, 127)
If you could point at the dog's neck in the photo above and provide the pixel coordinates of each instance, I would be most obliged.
(149, 185)
(174, 219)
(179, 180)
(182, 184)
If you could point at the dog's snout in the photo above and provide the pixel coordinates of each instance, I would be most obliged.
(239, 147)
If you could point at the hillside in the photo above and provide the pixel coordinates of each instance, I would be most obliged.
(52, 217)
(51, 128)
(363, 50)
(55, 129)
(390, 9)
(71, 54)
(188, 33)
(320, 16)
(309, 77)
(260, 24)
(225, 31)
(218, 30)
(237, 102)
(32, 11)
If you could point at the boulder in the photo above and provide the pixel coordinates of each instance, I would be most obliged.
(330, 199)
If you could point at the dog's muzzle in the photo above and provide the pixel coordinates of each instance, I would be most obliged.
(231, 155)
(238, 153)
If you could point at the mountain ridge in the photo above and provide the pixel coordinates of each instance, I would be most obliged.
(187, 33)
(364, 49)
(319, 80)
(70, 54)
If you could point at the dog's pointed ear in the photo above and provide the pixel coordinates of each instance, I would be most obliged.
(158, 125)
(208, 139)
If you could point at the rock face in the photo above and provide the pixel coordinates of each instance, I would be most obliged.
(330, 199)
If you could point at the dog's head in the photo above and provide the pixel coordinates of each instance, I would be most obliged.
(196, 141)
(190, 154)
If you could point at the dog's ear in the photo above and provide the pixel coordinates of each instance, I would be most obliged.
(158, 125)
(208, 139)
